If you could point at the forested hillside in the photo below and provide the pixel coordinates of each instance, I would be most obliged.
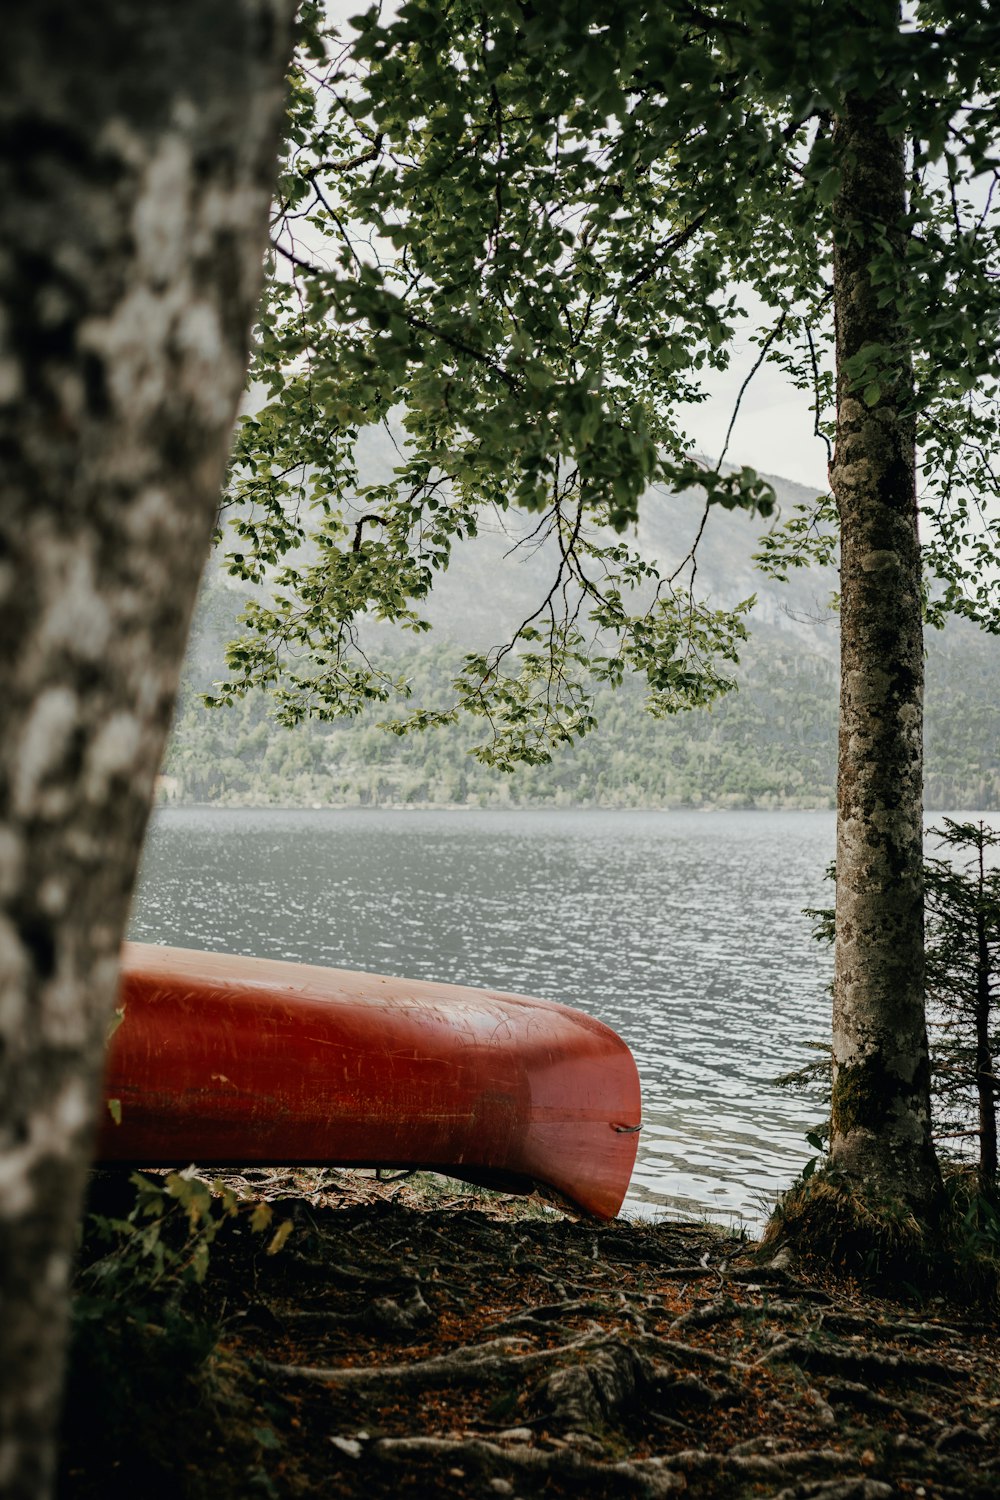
(770, 744)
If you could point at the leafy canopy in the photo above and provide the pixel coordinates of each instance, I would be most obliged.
(518, 237)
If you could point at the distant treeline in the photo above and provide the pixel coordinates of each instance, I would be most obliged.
(772, 744)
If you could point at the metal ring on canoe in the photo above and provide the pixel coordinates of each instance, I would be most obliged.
(627, 1129)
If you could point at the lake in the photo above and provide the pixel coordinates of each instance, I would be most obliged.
(682, 930)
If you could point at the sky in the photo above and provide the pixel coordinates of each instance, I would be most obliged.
(774, 427)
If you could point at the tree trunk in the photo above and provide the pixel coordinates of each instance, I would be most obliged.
(880, 1137)
(985, 1087)
(139, 151)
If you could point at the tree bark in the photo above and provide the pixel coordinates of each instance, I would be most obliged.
(880, 1136)
(138, 159)
(985, 1087)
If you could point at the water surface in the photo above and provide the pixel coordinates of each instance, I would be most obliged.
(682, 930)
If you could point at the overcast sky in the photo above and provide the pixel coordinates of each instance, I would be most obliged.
(774, 428)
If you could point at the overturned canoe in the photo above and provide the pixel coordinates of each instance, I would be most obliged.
(240, 1061)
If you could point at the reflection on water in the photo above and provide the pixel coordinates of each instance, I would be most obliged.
(681, 930)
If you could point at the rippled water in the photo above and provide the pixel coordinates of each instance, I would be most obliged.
(681, 930)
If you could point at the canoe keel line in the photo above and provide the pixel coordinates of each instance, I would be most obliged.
(234, 1061)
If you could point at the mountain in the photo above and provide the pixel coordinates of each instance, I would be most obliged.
(771, 744)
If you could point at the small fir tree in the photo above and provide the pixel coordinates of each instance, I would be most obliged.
(962, 903)
(962, 916)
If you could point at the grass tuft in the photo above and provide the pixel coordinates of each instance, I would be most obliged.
(829, 1222)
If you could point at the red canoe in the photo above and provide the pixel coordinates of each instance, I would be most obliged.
(239, 1061)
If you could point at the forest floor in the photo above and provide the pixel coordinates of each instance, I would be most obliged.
(402, 1343)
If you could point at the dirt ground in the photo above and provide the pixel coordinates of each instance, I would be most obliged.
(463, 1345)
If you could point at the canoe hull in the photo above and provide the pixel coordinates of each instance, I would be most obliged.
(241, 1061)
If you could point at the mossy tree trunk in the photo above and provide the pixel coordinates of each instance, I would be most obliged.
(881, 1133)
(138, 160)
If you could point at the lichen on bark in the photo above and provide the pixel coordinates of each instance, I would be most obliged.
(880, 1134)
(138, 149)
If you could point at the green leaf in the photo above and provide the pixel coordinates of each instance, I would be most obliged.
(828, 186)
(261, 1217)
(280, 1236)
(199, 1261)
(266, 1437)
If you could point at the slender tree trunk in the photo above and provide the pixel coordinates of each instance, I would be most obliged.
(984, 1053)
(880, 1136)
(138, 156)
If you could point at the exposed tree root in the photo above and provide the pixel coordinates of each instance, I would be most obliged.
(392, 1352)
(839, 1489)
(832, 1361)
(580, 1396)
(647, 1478)
(889, 1328)
(862, 1398)
(382, 1315)
(466, 1365)
(554, 1313)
